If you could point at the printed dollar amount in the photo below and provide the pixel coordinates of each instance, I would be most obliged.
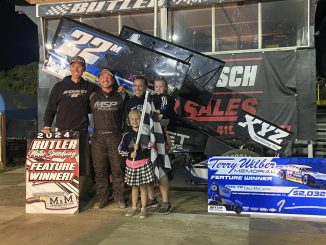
(88, 46)
(308, 193)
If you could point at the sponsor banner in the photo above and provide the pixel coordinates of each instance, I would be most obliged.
(295, 186)
(52, 173)
(94, 7)
(104, 50)
(263, 132)
(262, 84)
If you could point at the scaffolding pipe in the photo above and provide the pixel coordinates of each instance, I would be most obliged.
(2, 140)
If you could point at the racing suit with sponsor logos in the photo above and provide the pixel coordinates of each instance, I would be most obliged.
(69, 102)
(107, 111)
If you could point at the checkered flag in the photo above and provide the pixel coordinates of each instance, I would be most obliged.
(57, 10)
(150, 133)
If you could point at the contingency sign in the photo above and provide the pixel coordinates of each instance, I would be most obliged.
(267, 185)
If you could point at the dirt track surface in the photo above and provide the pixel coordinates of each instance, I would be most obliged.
(189, 223)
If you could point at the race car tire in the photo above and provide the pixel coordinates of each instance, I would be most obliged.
(237, 209)
(282, 175)
(214, 187)
(240, 153)
(305, 180)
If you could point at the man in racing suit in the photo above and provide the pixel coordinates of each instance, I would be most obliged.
(107, 106)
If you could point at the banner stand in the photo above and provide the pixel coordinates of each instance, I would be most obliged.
(52, 173)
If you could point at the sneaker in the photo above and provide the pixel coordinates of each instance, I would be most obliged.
(131, 212)
(143, 213)
(165, 208)
(120, 204)
(152, 203)
(100, 204)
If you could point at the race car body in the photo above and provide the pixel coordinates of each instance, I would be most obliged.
(221, 196)
(301, 174)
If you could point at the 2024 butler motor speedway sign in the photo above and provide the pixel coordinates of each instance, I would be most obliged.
(294, 186)
(52, 173)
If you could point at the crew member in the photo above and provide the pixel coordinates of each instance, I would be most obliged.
(107, 106)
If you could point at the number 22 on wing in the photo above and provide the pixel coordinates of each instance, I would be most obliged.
(75, 47)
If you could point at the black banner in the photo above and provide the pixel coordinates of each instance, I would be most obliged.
(262, 131)
(263, 84)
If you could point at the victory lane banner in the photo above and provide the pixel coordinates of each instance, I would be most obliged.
(52, 173)
(274, 186)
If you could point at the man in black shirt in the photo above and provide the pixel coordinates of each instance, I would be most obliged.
(107, 106)
(69, 99)
(69, 102)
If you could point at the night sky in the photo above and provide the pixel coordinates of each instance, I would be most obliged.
(19, 38)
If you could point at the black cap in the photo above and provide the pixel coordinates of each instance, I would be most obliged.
(78, 59)
(105, 70)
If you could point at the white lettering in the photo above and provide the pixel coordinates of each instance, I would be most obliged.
(79, 8)
(238, 76)
(95, 6)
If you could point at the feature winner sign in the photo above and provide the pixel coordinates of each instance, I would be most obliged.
(52, 173)
(265, 185)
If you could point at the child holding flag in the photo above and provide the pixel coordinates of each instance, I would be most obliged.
(139, 169)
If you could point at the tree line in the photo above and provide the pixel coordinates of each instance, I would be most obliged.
(21, 78)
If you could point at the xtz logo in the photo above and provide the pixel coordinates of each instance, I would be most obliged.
(90, 46)
(267, 134)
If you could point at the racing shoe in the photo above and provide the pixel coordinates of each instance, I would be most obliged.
(143, 213)
(131, 212)
(120, 204)
(100, 204)
(165, 208)
(152, 203)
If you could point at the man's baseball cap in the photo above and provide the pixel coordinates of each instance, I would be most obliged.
(78, 59)
(105, 70)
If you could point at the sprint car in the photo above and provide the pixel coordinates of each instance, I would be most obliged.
(221, 196)
(302, 174)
